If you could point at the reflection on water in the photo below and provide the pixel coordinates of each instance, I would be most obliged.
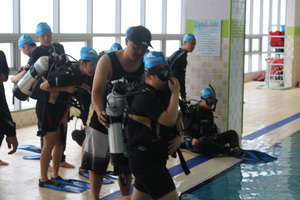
(274, 180)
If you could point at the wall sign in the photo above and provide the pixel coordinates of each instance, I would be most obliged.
(208, 37)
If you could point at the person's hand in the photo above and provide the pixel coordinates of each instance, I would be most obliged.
(195, 142)
(102, 119)
(71, 89)
(174, 144)
(174, 85)
(12, 142)
(22, 68)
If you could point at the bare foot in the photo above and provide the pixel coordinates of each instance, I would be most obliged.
(49, 168)
(3, 163)
(66, 165)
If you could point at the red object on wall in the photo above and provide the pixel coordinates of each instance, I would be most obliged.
(277, 41)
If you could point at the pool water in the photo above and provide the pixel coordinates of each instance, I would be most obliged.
(278, 180)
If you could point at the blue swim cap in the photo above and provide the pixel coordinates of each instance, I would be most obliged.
(154, 58)
(87, 53)
(207, 92)
(42, 28)
(188, 37)
(115, 47)
(25, 40)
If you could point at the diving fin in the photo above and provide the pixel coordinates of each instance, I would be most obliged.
(111, 175)
(32, 157)
(107, 181)
(255, 156)
(71, 182)
(65, 188)
(30, 147)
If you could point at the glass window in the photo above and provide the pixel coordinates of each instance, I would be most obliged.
(130, 14)
(154, 16)
(246, 64)
(256, 16)
(73, 49)
(248, 18)
(156, 44)
(8, 86)
(6, 12)
(6, 48)
(263, 61)
(282, 12)
(171, 47)
(104, 16)
(103, 43)
(254, 63)
(29, 103)
(275, 12)
(173, 16)
(255, 44)
(265, 44)
(247, 45)
(266, 17)
(34, 12)
(73, 18)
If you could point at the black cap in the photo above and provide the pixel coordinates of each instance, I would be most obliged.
(139, 35)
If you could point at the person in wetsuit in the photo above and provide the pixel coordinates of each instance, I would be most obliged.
(150, 130)
(201, 134)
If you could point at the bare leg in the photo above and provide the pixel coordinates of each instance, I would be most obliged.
(66, 165)
(3, 163)
(56, 155)
(125, 190)
(96, 183)
(49, 141)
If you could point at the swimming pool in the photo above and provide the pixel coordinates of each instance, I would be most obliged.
(276, 180)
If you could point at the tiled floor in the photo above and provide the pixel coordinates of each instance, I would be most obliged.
(262, 108)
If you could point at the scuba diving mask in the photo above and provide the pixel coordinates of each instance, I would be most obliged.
(163, 73)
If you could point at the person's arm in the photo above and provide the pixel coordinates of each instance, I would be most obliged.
(18, 76)
(102, 74)
(70, 88)
(169, 116)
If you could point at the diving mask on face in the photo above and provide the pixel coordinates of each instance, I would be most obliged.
(163, 73)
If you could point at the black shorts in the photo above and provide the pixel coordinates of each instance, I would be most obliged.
(151, 176)
(49, 115)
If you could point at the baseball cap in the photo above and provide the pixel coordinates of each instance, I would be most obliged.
(139, 35)
(154, 58)
(115, 47)
(87, 53)
(25, 40)
(42, 28)
(188, 37)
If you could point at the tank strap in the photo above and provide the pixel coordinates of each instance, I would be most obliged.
(147, 122)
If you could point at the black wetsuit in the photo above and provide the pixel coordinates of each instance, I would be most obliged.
(177, 61)
(7, 125)
(148, 144)
(199, 124)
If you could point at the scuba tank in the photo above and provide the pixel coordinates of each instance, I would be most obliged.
(115, 105)
(22, 89)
